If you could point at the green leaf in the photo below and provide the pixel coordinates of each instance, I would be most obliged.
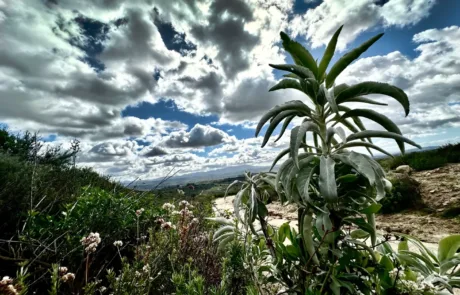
(365, 88)
(290, 105)
(347, 59)
(328, 54)
(287, 84)
(274, 123)
(300, 71)
(386, 263)
(382, 134)
(279, 156)
(448, 246)
(359, 234)
(285, 125)
(327, 184)
(330, 97)
(403, 246)
(303, 182)
(283, 232)
(373, 208)
(297, 134)
(383, 120)
(347, 178)
(364, 144)
(307, 236)
(365, 100)
(262, 210)
(299, 54)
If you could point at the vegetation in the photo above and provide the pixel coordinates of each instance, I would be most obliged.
(404, 194)
(425, 160)
(335, 190)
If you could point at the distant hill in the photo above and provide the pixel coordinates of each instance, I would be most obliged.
(227, 172)
(222, 173)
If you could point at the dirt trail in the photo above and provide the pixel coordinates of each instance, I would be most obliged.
(440, 190)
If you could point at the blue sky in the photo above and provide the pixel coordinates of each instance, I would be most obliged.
(150, 85)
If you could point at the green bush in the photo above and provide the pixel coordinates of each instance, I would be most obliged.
(404, 195)
(425, 160)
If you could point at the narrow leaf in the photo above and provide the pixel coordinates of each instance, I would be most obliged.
(347, 59)
(287, 84)
(300, 71)
(365, 88)
(299, 54)
(383, 120)
(328, 54)
(290, 105)
(327, 184)
(382, 134)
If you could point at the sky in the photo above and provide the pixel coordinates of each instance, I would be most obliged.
(152, 85)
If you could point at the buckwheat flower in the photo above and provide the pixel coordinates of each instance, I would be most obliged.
(160, 221)
(180, 192)
(6, 280)
(12, 290)
(146, 269)
(168, 206)
(68, 277)
(63, 270)
(118, 244)
(194, 221)
(184, 204)
(91, 242)
(166, 225)
(139, 211)
(102, 289)
(64, 213)
(137, 274)
(175, 213)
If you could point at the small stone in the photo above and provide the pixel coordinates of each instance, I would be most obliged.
(432, 191)
(404, 169)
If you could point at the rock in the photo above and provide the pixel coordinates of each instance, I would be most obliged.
(404, 169)
(432, 191)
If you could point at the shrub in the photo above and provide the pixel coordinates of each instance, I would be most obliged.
(425, 160)
(335, 189)
(404, 195)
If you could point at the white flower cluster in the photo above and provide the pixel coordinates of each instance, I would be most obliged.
(62, 270)
(184, 204)
(6, 285)
(139, 212)
(167, 225)
(66, 277)
(168, 206)
(146, 269)
(180, 192)
(118, 244)
(91, 242)
(421, 285)
(6, 280)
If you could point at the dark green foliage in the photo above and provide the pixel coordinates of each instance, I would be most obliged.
(42, 187)
(237, 277)
(404, 195)
(425, 160)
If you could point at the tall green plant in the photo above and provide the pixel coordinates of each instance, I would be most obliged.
(334, 188)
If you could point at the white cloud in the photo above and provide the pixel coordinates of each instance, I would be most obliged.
(198, 136)
(431, 80)
(320, 23)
